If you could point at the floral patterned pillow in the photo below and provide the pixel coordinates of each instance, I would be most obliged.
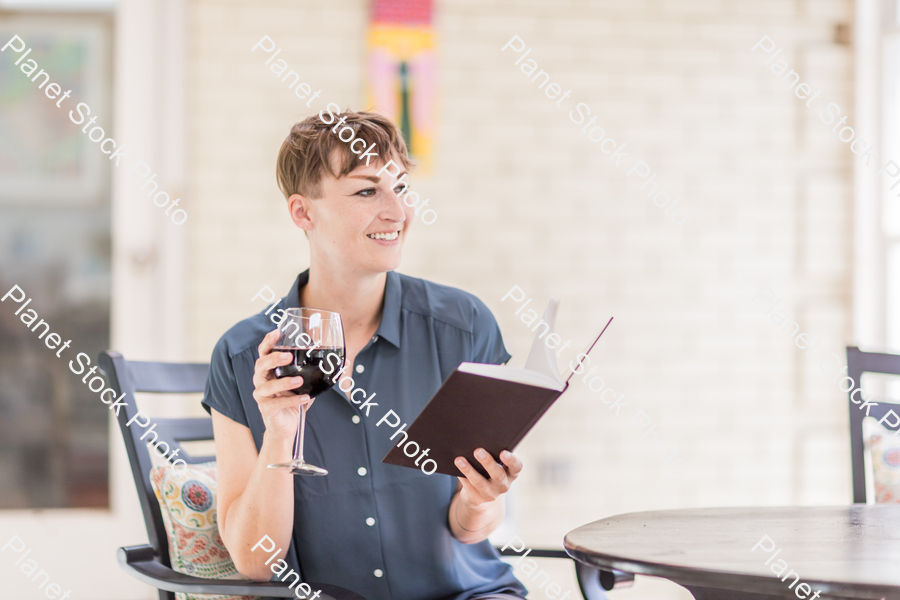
(884, 450)
(187, 501)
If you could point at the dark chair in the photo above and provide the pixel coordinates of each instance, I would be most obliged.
(150, 563)
(859, 362)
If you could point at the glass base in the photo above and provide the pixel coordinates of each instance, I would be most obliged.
(298, 467)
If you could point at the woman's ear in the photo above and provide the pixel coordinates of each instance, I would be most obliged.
(299, 207)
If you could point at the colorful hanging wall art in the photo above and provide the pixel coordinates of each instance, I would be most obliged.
(401, 71)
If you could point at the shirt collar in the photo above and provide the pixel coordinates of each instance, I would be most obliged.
(292, 300)
(389, 328)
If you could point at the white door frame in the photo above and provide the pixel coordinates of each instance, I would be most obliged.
(77, 547)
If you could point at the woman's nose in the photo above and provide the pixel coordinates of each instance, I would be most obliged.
(396, 208)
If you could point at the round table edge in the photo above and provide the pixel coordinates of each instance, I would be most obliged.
(708, 578)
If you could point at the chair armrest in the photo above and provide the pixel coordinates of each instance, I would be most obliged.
(141, 562)
(537, 553)
(590, 579)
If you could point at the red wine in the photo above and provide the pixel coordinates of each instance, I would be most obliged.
(314, 366)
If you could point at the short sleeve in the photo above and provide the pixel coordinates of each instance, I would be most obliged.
(488, 341)
(222, 391)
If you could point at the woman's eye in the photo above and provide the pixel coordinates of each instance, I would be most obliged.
(366, 193)
(400, 189)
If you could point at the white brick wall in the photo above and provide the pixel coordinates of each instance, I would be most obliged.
(525, 199)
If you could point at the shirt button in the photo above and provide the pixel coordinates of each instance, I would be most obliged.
(360, 368)
(370, 521)
(355, 419)
(378, 572)
(362, 471)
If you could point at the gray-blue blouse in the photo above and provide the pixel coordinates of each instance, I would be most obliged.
(377, 529)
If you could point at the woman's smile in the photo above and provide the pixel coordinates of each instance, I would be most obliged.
(387, 238)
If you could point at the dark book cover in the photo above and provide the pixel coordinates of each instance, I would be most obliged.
(472, 411)
(485, 406)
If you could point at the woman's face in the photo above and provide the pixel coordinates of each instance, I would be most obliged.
(359, 222)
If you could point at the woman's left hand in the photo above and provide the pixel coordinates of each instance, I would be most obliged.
(478, 491)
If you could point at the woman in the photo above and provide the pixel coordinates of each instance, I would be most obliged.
(383, 531)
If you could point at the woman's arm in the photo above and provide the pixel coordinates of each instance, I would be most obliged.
(477, 508)
(255, 501)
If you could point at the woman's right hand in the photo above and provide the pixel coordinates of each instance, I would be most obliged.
(277, 404)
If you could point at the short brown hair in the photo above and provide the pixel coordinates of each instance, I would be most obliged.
(305, 156)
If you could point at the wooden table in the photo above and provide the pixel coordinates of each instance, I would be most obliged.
(842, 552)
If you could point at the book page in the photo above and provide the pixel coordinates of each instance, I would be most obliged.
(513, 374)
(541, 358)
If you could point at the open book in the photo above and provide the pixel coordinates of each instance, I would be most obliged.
(487, 406)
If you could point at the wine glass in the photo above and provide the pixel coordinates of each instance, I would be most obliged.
(315, 338)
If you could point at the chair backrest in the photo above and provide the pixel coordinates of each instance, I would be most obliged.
(859, 362)
(158, 378)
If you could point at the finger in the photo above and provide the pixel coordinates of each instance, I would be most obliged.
(273, 387)
(270, 406)
(272, 360)
(274, 404)
(268, 342)
(470, 489)
(494, 469)
(514, 466)
(262, 370)
(474, 477)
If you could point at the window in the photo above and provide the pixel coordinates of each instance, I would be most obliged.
(55, 245)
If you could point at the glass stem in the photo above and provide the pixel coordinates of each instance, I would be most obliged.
(298, 441)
